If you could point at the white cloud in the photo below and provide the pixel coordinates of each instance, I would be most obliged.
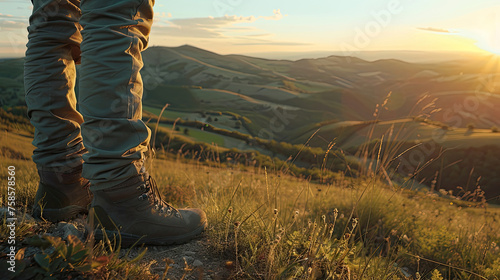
(162, 15)
(273, 44)
(11, 17)
(9, 22)
(208, 27)
(434, 29)
(277, 15)
(260, 39)
(259, 35)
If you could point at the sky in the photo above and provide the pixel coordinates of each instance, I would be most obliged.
(298, 26)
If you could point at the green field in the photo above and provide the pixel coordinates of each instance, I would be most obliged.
(171, 114)
(199, 135)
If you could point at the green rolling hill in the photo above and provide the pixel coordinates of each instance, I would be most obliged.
(343, 100)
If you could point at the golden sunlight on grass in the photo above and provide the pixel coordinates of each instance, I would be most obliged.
(274, 226)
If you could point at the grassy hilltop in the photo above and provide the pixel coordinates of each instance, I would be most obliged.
(332, 168)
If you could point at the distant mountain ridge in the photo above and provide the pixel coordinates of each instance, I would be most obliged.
(407, 56)
(347, 88)
(322, 89)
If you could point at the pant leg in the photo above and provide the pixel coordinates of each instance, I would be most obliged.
(114, 35)
(49, 78)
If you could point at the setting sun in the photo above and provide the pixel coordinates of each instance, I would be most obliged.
(486, 39)
(491, 44)
(482, 26)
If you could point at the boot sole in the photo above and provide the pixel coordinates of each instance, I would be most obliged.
(61, 214)
(130, 239)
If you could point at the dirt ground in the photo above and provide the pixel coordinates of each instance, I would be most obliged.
(192, 260)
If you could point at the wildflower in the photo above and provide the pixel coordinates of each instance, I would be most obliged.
(335, 213)
(309, 270)
(406, 238)
(277, 238)
(275, 211)
(354, 223)
(230, 210)
(237, 224)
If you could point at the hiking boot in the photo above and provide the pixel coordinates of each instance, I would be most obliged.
(135, 212)
(61, 196)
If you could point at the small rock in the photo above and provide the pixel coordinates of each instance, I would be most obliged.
(189, 253)
(405, 271)
(197, 263)
(61, 226)
(67, 229)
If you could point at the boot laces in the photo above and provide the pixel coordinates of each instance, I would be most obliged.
(152, 193)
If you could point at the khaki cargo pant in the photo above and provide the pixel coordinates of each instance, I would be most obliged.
(106, 133)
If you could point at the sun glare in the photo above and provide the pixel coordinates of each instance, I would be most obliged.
(487, 40)
(491, 49)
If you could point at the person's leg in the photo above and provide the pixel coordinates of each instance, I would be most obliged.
(114, 35)
(52, 51)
